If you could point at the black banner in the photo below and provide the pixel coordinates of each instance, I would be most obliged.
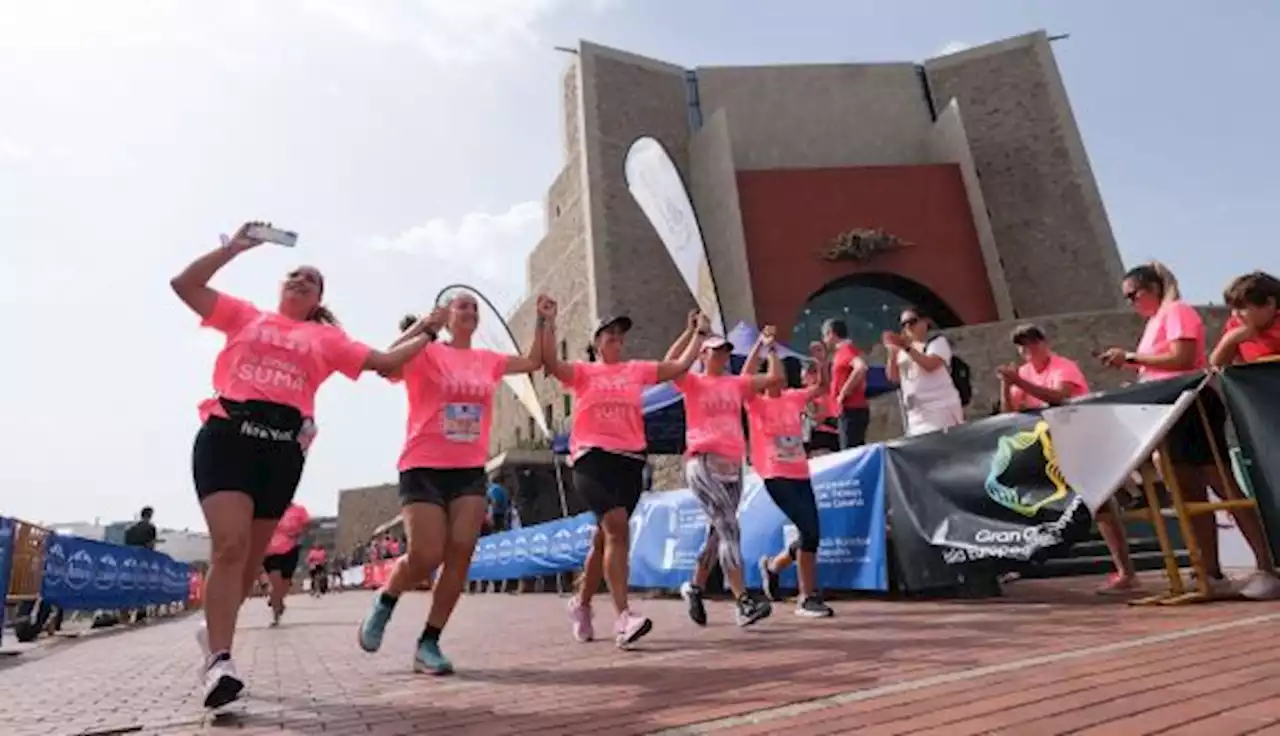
(1253, 401)
(988, 496)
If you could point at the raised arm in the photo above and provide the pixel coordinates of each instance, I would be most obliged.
(551, 362)
(532, 360)
(419, 333)
(690, 328)
(752, 363)
(429, 324)
(775, 376)
(669, 370)
(389, 362)
(192, 285)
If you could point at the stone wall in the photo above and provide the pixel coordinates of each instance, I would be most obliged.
(1050, 225)
(1075, 336)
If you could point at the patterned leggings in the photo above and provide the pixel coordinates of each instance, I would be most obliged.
(717, 484)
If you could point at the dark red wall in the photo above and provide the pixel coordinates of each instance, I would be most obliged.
(791, 216)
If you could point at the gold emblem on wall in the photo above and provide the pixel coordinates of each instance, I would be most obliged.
(862, 244)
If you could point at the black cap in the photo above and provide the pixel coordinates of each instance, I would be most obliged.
(622, 322)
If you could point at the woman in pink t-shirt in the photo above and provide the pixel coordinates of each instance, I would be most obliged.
(282, 553)
(776, 419)
(1173, 344)
(450, 386)
(607, 448)
(249, 452)
(716, 448)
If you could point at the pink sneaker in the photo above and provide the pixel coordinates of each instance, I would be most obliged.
(580, 615)
(1119, 584)
(629, 628)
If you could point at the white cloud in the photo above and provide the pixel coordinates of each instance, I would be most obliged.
(952, 47)
(482, 249)
(452, 31)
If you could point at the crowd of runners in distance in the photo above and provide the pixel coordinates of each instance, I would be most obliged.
(249, 453)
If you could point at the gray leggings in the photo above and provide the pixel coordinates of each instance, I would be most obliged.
(717, 484)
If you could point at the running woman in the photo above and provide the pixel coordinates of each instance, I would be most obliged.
(607, 446)
(715, 450)
(281, 561)
(249, 452)
(775, 419)
(450, 386)
(316, 558)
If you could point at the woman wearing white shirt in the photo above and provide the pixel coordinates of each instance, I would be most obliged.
(922, 369)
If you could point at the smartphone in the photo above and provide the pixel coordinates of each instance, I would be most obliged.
(273, 235)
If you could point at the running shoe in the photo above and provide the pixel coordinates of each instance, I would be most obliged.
(430, 660)
(221, 683)
(769, 580)
(629, 628)
(374, 625)
(1261, 586)
(749, 609)
(580, 614)
(276, 614)
(1119, 584)
(812, 606)
(692, 596)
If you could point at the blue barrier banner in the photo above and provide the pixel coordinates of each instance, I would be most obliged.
(7, 530)
(85, 575)
(668, 529)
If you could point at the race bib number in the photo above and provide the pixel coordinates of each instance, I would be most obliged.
(788, 448)
(462, 422)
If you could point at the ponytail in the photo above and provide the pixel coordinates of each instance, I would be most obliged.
(1168, 281)
(407, 321)
(591, 353)
(324, 316)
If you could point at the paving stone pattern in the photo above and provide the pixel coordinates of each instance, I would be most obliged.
(879, 667)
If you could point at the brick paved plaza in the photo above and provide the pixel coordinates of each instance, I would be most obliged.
(1048, 659)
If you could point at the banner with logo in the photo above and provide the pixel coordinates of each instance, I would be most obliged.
(493, 333)
(656, 186)
(994, 491)
(86, 575)
(1252, 394)
(8, 528)
(668, 529)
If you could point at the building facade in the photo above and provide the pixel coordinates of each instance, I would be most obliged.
(959, 185)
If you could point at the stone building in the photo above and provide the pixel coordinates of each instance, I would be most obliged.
(969, 168)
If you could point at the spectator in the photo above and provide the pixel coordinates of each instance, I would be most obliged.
(1044, 378)
(1252, 333)
(848, 384)
(142, 533)
(921, 366)
(499, 505)
(1173, 344)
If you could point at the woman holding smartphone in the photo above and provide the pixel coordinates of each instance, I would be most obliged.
(249, 452)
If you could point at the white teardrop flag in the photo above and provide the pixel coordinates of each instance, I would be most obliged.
(656, 185)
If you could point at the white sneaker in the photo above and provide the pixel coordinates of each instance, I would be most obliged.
(1261, 586)
(221, 684)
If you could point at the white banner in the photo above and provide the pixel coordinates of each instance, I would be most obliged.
(494, 334)
(656, 185)
(1099, 445)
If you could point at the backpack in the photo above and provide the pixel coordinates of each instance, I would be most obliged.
(960, 375)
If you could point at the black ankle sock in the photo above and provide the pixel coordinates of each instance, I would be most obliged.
(388, 600)
(430, 633)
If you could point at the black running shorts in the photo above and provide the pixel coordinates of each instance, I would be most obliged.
(606, 481)
(441, 486)
(255, 451)
(285, 563)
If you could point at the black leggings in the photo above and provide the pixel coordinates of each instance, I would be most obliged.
(794, 496)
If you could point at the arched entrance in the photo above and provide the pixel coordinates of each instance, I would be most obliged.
(869, 304)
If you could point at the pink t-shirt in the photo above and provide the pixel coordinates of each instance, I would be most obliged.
(1057, 374)
(315, 556)
(269, 357)
(450, 406)
(1174, 321)
(713, 414)
(607, 411)
(777, 434)
(289, 530)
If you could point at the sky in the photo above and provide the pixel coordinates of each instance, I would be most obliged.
(411, 142)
